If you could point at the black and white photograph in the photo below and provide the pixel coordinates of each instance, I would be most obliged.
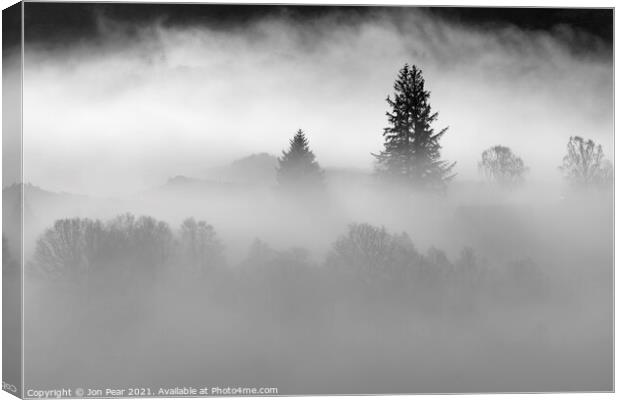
(204, 199)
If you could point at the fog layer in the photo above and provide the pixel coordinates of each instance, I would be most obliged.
(476, 291)
(226, 276)
(135, 106)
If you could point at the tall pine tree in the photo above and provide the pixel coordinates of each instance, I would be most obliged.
(412, 150)
(297, 167)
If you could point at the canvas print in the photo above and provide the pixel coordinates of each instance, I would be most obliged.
(228, 199)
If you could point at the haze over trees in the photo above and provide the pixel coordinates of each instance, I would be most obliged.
(361, 284)
(585, 165)
(128, 246)
(127, 249)
(297, 167)
(351, 276)
(411, 148)
(200, 248)
(501, 166)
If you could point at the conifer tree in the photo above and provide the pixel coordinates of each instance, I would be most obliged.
(297, 167)
(412, 150)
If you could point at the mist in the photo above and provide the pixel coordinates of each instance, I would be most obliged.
(163, 246)
(156, 101)
(484, 293)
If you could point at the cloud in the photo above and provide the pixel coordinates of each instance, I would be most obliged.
(139, 105)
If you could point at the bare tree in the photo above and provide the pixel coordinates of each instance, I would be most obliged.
(200, 248)
(500, 165)
(584, 164)
(372, 252)
(70, 247)
(152, 241)
(76, 247)
(140, 242)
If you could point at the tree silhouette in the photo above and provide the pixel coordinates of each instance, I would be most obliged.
(200, 249)
(76, 247)
(412, 150)
(372, 253)
(500, 165)
(71, 247)
(584, 164)
(139, 247)
(297, 167)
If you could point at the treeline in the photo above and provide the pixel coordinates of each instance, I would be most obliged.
(130, 246)
(364, 263)
(412, 150)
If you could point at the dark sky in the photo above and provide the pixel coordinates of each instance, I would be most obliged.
(62, 22)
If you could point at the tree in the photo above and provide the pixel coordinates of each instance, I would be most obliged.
(281, 283)
(297, 167)
(412, 149)
(201, 250)
(584, 164)
(500, 165)
(151, 243)
(71, 247)
(373, 253)
(138, 248)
